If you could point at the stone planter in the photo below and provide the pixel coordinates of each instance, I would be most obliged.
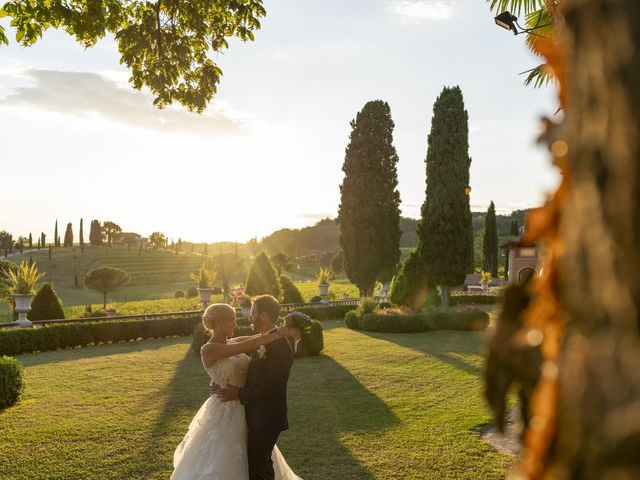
(485, 286)
(324, 292)
(385, 292)
(205, 295)
(23, 306)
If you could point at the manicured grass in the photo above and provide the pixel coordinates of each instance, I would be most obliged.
(373, 407)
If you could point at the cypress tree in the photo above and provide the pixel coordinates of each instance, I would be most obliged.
(39, 243)
(490, 242)
(95, 234)
(445, 233)
(30, 241)
(43, 240)
(263, 277)
(81, 237)
(21, 244)
(68, 236)
(410, 287)
(514, 228)
(56, 241)
(369, 212)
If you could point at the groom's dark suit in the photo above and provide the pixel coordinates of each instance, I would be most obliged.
(265, 399)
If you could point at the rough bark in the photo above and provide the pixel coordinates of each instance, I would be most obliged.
(599, 409)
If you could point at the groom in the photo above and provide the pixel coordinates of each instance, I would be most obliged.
(265, 393)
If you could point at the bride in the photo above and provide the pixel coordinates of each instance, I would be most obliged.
(215, 446)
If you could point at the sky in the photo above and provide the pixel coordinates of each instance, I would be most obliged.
(78, 141)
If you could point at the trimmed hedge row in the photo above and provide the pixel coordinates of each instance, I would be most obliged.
(201, 336)
(11, 382)
(69, 335)
(424, 322)
(472, 299)
(330, 312)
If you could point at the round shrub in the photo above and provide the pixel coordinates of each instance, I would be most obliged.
(290, 293)
(11, 382)
(316, 299)
(192, 292)
(98, 313)
(46, 305)
(312, 342)
(179, 294)
(352, 320)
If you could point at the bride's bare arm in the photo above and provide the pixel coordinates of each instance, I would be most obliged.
(242, 339)
(212, 352)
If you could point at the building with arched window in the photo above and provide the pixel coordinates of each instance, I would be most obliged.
(522, 260)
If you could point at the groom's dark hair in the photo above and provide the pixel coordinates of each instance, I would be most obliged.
(268, 305)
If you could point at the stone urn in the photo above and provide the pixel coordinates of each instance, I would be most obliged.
(485, 286)
(23, 306)
(324, 292)
(385, 292)
(205, 296)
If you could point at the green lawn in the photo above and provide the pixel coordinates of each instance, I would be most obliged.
(373, 407)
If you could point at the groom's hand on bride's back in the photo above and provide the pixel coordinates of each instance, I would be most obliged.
(214, 387)
(229, 393)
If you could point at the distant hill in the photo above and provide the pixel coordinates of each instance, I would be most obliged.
(324, 236)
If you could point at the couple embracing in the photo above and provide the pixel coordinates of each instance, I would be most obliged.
(233, 436)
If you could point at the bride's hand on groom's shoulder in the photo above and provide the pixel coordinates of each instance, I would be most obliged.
(290, 332)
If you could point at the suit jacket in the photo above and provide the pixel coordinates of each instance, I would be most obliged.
(265, 392)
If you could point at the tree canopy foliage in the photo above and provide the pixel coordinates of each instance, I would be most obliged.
(168, 45)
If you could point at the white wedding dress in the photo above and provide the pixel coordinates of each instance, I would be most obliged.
(215, 446)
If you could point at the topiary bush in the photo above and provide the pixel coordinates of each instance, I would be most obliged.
(312, 342)
(262, 277)
(46, 305)
(192, 292)
(372, 322)
(315, 299)
(352, 320)
(11, 382)
(179, 294)
(290, 293)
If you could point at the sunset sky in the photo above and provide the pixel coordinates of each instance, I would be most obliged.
(78, 141)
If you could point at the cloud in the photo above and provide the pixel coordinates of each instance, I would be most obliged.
(423, 10)
(86, 95)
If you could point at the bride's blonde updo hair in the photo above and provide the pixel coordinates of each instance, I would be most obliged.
(214, 313)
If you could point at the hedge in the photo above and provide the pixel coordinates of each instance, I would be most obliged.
(69, 335)
(352, 320)
(11, 382)
(329, 312)
(473, 299)
(470, 321)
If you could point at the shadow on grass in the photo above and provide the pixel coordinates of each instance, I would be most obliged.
(326, 403)
(444, 345)
(96, 351)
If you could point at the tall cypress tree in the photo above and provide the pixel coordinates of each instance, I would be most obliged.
(95, 233)
(369, 213)
(56, 242)
(30, 241)
(81, 237)
(445, 232)
(68, 236)
(514, 228)
(490, 242)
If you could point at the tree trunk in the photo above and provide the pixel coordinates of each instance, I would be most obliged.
(444, 289)
(104, 300)
(599, 405)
